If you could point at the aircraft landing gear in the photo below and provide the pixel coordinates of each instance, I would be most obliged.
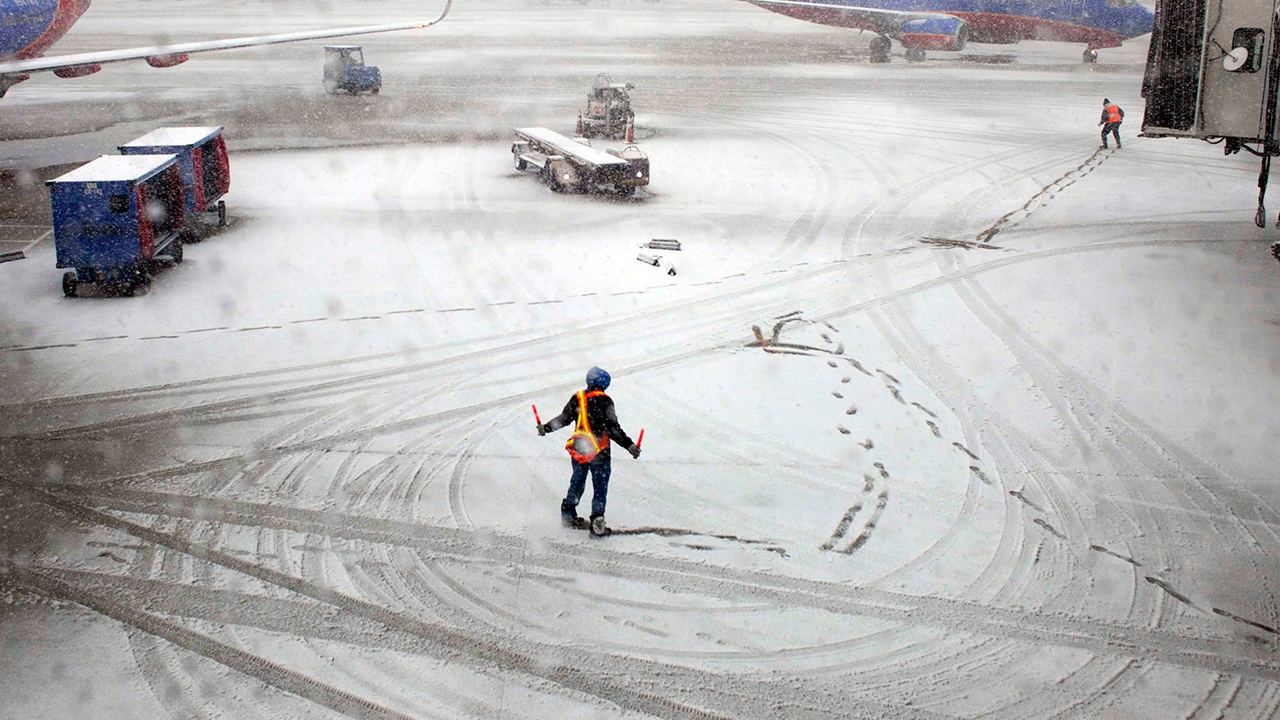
(1090, 56)
(880, 48)
(915, 55)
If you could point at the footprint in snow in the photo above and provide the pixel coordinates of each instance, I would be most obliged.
(1052, 530)
(1018, 494)
(926, 410)
(965, 450)
(1114, 554)
(1169, 589)
(858, 366)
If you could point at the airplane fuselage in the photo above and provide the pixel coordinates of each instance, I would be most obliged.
(29, 27)
(1097, 23)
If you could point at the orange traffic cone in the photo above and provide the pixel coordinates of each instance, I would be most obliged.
(578, 130)
(631, 130)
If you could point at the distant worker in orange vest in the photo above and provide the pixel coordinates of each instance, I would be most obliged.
(1112, 116)
(588, 447)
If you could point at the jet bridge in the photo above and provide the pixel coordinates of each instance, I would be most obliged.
(1213, 73)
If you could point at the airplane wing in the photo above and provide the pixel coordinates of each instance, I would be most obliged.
(167, 55)
(885, 22)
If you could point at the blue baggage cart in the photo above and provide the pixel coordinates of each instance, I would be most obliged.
(202, 160)
(114, 217)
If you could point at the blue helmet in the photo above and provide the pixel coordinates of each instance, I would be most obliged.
(597, 379)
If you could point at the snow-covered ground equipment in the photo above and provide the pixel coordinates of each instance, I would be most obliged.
(608, 110)
(662, 244)
(345, 71)
(566, 164)
(114, 216)
(202, 160)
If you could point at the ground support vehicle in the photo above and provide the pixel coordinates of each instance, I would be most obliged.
(115, 218)
(206, 172)
(345, 71)
(565, 164)
(608, 109)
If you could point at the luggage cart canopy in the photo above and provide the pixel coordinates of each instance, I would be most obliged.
(175, 137)
(118, 168)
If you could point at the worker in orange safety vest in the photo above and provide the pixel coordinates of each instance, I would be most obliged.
(1112, 116)
(595, 422)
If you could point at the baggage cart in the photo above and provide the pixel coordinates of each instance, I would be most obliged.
(115, 217)
(202, 160)
(565, 164)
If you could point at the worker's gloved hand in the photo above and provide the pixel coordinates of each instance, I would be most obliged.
(542, 430)
(635, 451)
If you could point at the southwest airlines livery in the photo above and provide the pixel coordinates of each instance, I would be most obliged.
(28, 28)
(922, 25)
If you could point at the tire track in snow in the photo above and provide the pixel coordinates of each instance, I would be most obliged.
(271, 673)
(1154, 454)
(1017, 555)
(567, 675)
(1087, 633)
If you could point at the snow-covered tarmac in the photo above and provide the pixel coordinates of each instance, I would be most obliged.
(1025, 474)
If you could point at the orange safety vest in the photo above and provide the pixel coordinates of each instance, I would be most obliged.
(583, 445)
(1113, 113)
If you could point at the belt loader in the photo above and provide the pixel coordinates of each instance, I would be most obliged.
(565, 164)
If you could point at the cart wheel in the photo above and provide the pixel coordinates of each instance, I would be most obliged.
(175, 251)
(222, 213)
(136, 285)
(549, 176)
(375, 91)
(521, 164)
(69, 284)
(627, 190)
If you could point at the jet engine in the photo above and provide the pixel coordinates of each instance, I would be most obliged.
(940, 33)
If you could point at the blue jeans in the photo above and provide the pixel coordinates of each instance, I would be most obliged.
(600, 469)
(1112, 128)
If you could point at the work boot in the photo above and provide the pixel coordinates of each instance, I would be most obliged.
(569, 516)
(598, 528)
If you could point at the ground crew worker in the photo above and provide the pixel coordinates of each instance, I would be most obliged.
(1112, 116)
(596, 423)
